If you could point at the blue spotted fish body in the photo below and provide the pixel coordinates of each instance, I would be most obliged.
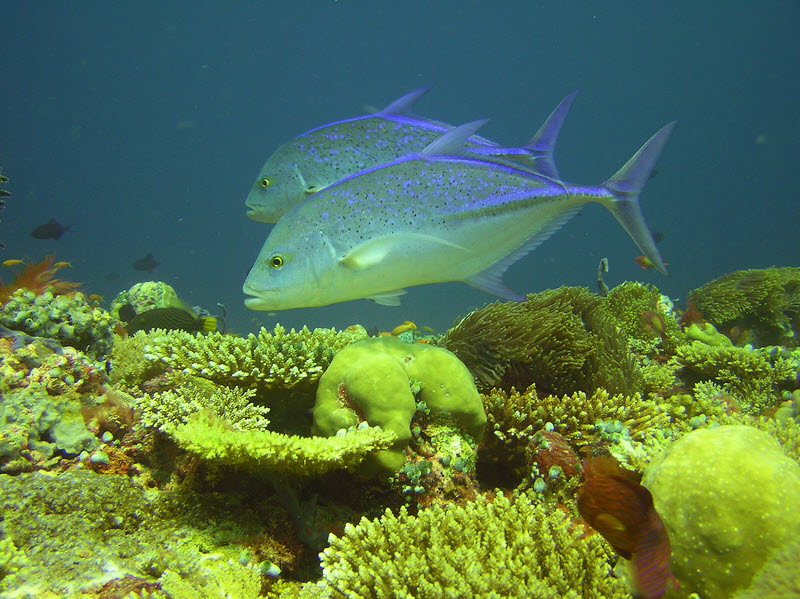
(431, 217)
(320, 157)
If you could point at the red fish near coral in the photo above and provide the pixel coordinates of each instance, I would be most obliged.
(622, 512)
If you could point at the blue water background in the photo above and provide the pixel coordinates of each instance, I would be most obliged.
(144, 124)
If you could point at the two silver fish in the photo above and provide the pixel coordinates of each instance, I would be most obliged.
(369, 206)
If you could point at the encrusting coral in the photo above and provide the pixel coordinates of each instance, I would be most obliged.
(67, 318)
(507, 547)
(563, 341)
(764, 303)
(279, 359)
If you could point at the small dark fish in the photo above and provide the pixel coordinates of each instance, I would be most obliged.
(169, 319)
(147, 263)
(49, 230)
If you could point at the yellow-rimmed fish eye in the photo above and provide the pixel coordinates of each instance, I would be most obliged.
(276, 261)
(264, 182)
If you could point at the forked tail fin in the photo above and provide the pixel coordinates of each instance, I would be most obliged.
(626, 185)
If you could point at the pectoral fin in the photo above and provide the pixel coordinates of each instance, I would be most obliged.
(375, 251)
(390, 298)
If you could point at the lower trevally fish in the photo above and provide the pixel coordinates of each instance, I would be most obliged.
(319, 157)
(432, 217)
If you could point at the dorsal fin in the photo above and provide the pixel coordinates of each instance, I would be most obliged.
(453, 141)
(404, 104)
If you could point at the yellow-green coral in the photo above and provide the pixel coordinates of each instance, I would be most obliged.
(577, 417)
(505, 548)
(269, 360)
(630, 303)
(212, 438)
(147, 295)
(563, 340)
(753, 378)
(216, 580)
(764, 301)
(167, 409)
(371, 381)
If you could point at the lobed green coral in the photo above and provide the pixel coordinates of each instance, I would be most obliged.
(270, 360)
(383, 381)
(69, 319)
(765, 302)
(507, 547)
(563, 341)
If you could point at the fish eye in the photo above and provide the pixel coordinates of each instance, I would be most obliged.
(265, 182)
(276, 261)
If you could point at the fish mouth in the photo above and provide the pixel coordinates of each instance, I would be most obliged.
(258, 303)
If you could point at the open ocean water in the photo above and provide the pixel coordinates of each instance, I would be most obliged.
(143, 125)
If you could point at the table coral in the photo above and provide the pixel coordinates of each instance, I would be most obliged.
(563, 340)
(765, 302)
(371, 381)
(69, 319)
(279, 359)
(504, 548)
(728, 496)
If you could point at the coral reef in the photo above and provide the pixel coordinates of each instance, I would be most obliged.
(68, 318)
(754, 379)
(212, 438)
(383, 382)
(641, 313)
(563, 341)
(270, 360)
(727, 496)
(37, 429)
(38, 278)
(501, 548)
(147, 296)
(762, 303)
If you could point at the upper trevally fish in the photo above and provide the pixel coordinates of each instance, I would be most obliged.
(319, 157)
(431, 217)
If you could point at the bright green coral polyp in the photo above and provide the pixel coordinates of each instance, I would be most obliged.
(372, 381)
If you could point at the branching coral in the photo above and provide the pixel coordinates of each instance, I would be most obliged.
(504, 548)
(765, 302)
(562, 340)
(212, 438)
(269, 360)
(577, 417)
(753, 378)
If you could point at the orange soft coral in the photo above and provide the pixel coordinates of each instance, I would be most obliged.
(38, 277)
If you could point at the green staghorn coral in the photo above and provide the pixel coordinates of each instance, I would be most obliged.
(754, 379)
(764, 302)
(509, 547)
(214, 439)
(562, 340)
(270, 360)
(514, 416)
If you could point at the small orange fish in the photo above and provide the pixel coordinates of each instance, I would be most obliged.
(646, 263)
(655, 322)
(62, 264)
(402, 328)
(93, 297)
(13, 262)
(622, 511)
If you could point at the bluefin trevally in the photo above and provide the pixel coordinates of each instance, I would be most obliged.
(319, 157)
(432, 217)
